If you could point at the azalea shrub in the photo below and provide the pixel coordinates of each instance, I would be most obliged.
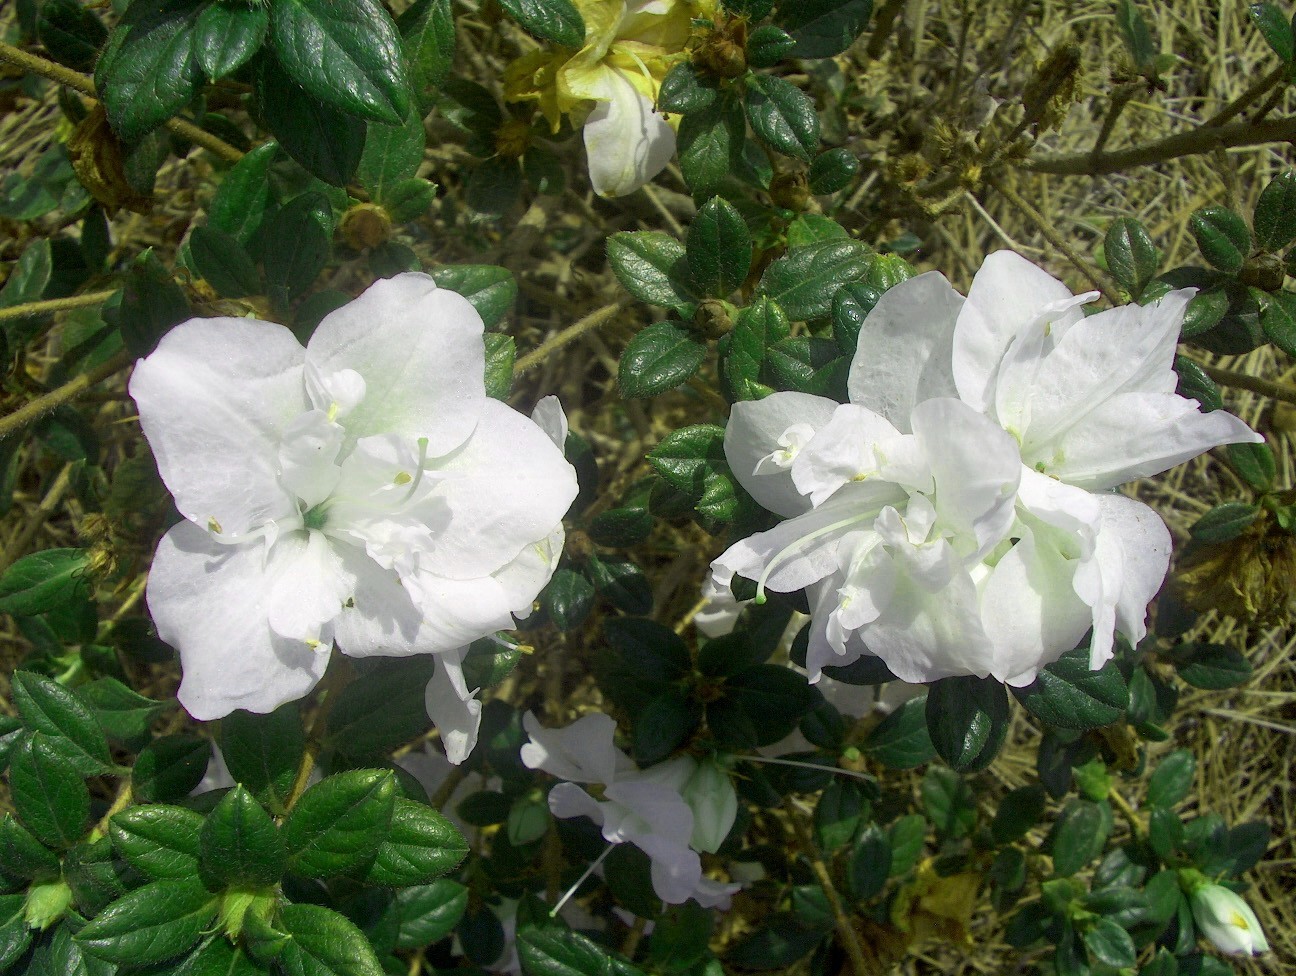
(359, 647)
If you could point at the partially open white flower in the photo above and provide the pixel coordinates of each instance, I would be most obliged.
(362, 491)
(953, 518)
(1227, 921)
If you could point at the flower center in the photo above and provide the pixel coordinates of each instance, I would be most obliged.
(315, 518)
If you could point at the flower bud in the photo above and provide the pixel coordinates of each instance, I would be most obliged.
(1226, 920)
(710, 795)
(366, 225)
(46, 903)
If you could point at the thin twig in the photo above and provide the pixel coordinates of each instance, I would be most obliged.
(328, 686)
(1050, 233)
(35, 64)
(24, 536)
(846, 934)
(574, 331)
(51, 305)
(1245, 381)
(32, 411)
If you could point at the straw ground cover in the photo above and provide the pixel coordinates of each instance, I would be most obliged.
(903, 100)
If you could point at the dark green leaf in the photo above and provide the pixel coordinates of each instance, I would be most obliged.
(297, 246)
(48, 793)
(420, 847)
(663, 725)
(783, 116)
(1110, 944)
(948, 802)
(151, 304)
(1224, 522)
(70, 33)
(226, 36)
(409, 200)
(568, 598)
(1067, 695)
(344, 52)
(149, 71)
(683, 90)
(340, 822)
(159, 841)
(718, 248)
(648, 659)
(1205, 311)
(1275, 211)
(1279, 321)
(429, 913)
(809, 364)
(324, 139)
(169, 768)
(428, 36)
(685, 456)
(554, 951)
(240, 203)
(870, 863)
(491, 290)
(556, 21)
(43, 581)
(622, 583)
(151, 924)
(759, 327)
(967, 719)
(73, 730)
(833, 170)
(1255, 463)
(659, 358)
(681, 937)
(501, 353)
(1276, 29)
(392, 154)
(651, 266)
(22, 855)
(1134, 31)
(620, 527)
(221, 259)
(823, 28)
(902, 741)
(528, 820)
(838, 812)
(710, 145)
(1131, 256)
(771, 697)
(780, 941)
(30, 275)
(262, 752)
(495, 185)
(1077, 837)
(1222, 237)
(1018, 812)
(325, 943)
(1211, 666)
(382, 709)
(804, 281)
(123, 714)
(767, 45)
(240, 844)
(1172, 779)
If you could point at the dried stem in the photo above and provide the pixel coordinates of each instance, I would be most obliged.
(35, 409)
(49, 306)
(574, 331)
(1245, 381)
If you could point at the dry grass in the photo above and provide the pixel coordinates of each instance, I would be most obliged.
(1245, 739)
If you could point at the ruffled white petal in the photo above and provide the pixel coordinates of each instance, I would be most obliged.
(583, 752)
(626, 141)
(208, 601)
(418, 349)
(752, 435)
(903, 356)
(452, 707)
(854, 445)
(214, 399)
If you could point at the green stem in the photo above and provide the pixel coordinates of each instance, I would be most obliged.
(574, 331)
(32, 411)
(52, 305)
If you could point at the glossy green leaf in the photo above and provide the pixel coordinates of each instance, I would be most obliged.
(392, 154)
(262, 752)
(150, 70)
(1134, 32)
(718, 248)
(340, 822)
(555, 951)
(428, 35)
(1213, 667)
(556, 21)
(159, 841)
(833, 170)
(152, 303)
(1224, 522)
(71, 34)
(948, 802)
(1275, 212)
(783, 116)
(297, 246)
(1131, 256)
(1018, 812)
(1279, 321)
(967, 719)
(383, 708)
(620, 527)
(1171, 779)
(804, 281)
(622, 583)
(227, 35)
(901, 740)
(568, 598)
(1067, 695)
(711, 144)
(323, 138)
(70, 724)
(43, 581)
(151, 924)
(1110, 944)
(239, 205)
(48, 793)
(1222, 237)
(222, 260)
(767, 45)
(169, 768)
(491, 290)
(1077, 837)
(345, 53)
(823, 28)
(1254, 463)
(240, 844)
(325, 943)
(22, 855)
(651, 266)
(428, 913)
(869, 865)
(659, 358)
(123, 714)
(684, 90)
(1275, 27)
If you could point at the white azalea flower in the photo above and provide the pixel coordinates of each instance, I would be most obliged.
(362, 491)
(647, 808)
(953, 518)
(1227, 921)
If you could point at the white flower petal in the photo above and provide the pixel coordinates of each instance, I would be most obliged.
(903, 356)
(506, 488)
(582, 752)
(307, 583)
(1007, 295)
(418, 349)
(1029, 606)
(214, 398)
(854, 445)
(753, 433)
(567, 800)
(382, 620)
(208, 602)
(1060, 505)
(452, 707)
(548, 415)
(626, 141)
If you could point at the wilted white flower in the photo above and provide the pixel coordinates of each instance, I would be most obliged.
(362, 491)
(670, 811)
(1227, 920)
(953, 518)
